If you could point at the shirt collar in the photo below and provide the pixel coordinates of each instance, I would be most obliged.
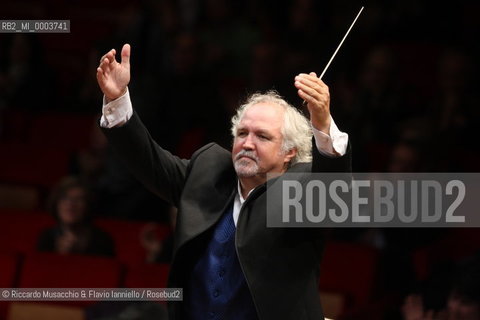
(239, 191)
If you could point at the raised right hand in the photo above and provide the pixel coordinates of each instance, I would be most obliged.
(113, 77)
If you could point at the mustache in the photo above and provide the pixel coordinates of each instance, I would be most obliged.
(246, 153)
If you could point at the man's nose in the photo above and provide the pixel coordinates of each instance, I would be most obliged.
(248, 143)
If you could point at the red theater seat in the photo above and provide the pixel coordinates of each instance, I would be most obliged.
(379, 155)
(8, 266)
(20, 230)
(147, 276)
(14, 125)
(127, 238)
(47, 270)
(27, 164)
(19, 197)
(458, 244)
(349, 269)
(67, 131)
(44, 311)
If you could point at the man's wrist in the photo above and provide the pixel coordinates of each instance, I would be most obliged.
(323, 126)
(110, 99)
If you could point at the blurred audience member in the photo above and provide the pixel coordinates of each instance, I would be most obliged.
(74, 232)
(193, 118)
(382, 102)
(227, 38)
(157, 250)
(454, 108)
(266, 59)
(110, 182)
(463, 300)
(89, 163)
(84, 93)
(22, 70)
(405, 157)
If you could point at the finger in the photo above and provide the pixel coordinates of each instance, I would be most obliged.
(103, 57)
(126, 55)
(308, 90)
(312, 77)
(99, 72)
(110, 55)
(311, 83)
(108, 64)
(103, 66)
(100, 75)
(306, 97)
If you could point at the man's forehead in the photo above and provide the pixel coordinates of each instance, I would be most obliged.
(264, 111)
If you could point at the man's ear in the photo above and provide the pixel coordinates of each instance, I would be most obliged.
(289, 155)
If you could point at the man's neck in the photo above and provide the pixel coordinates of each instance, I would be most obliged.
(248, 184)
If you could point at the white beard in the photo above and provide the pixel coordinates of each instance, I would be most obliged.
(246, 168)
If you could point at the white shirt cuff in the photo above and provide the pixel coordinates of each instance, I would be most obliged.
(116, 112)
(333, 145)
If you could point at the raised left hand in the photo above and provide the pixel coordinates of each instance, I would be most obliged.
(317, 96)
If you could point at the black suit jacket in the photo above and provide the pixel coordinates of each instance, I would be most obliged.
(280, 264)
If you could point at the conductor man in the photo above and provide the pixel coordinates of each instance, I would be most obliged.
(228, 262)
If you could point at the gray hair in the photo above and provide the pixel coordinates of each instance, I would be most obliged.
(296, 129)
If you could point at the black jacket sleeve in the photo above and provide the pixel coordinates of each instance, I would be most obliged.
(321, 163)
(161, 172)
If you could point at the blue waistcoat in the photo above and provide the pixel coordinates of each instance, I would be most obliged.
(217, 286)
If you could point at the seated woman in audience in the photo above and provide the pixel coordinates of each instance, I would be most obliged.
(74, 233)
(159, 250)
